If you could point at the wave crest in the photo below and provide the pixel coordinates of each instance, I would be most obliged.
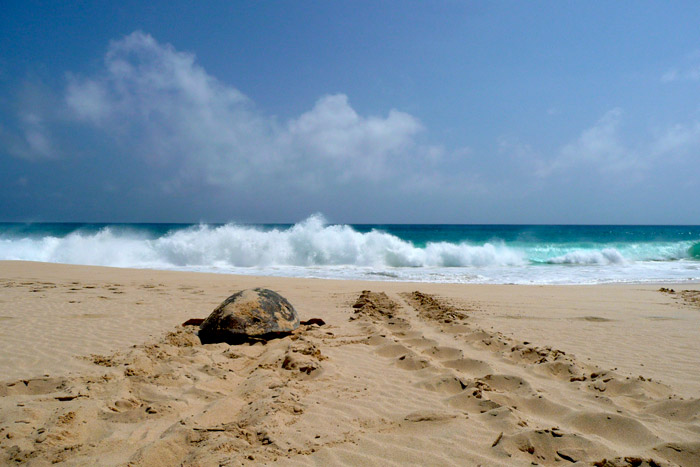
(314, 248)
(694, 251)
(308, 243)
(589, 257)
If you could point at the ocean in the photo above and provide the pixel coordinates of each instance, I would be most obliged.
(500, 254)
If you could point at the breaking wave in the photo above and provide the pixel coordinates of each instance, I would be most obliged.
(694, 251)
(309, 243)
(314, 248)
(604, 256)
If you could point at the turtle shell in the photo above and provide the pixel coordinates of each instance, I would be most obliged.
(250, 313)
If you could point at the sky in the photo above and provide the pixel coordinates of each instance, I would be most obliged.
(464, 112)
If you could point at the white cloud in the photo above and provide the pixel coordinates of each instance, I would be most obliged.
(29, 136)
(689, 72)
(524, 157)
(31, 141)
(173, 113)
(600, 145)
(333, 131)
(88, 100)
(677, 140)
(37, 141)
(603, 148)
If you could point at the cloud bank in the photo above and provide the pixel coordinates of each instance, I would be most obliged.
(173, 114)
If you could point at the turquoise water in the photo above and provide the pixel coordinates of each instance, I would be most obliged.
(435, 253)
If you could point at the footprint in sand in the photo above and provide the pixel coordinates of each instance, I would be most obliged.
(509, 384)
(623, 430)
(392, 350)
(421, 342)
(35, 386)
(444, 353)
(469, 366)
(551, 446)
(412, 362)
(471, 402)
(378, 339)
(443, 384)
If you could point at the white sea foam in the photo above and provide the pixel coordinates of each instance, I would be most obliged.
(314, 249)
(604, 256)
(309, 243)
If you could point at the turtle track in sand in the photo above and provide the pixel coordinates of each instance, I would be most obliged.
(523, 393)
(171, 401)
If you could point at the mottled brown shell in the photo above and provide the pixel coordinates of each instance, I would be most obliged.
(250, 313)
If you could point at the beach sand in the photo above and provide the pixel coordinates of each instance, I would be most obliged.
(97, 370)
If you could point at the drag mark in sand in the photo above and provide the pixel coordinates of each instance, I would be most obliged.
(527, 401)
(184, 401)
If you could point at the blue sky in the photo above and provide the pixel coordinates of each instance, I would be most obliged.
(377, 112)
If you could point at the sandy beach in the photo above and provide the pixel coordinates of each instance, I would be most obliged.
(96, 369)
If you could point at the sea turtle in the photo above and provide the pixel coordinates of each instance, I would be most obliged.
(251, 313)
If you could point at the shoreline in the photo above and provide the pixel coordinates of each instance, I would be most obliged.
(395, 360)
(389, 280)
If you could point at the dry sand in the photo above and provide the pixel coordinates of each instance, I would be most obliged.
(97, 370)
